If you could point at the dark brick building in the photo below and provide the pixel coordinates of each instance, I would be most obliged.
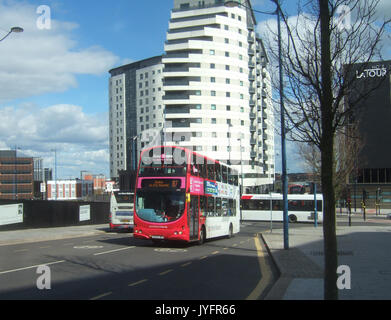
(16, 176)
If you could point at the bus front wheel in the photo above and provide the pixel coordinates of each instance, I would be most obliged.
(231, 231)
(292, 218)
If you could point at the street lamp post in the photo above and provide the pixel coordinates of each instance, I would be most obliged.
(134, 153)
(283, 143)
(241, 177)
(236, 3)
(55, 172)
(13, 29)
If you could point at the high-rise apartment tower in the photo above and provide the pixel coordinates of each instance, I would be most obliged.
(217, 87)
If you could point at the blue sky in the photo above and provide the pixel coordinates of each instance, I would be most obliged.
(54, 83)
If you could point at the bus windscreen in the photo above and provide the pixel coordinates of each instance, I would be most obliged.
(158, 206)
(123, 197)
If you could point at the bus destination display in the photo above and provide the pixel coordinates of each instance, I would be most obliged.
(161, 183)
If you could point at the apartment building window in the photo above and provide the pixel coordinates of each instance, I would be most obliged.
(226, 40)
(213, 79)
(228, 108)
(227, 81)
(213, 120)
(213, 93)
(214, 134)
(212, 52)
(227, 67)
(213, 107)
(227, 54)
(212, 66)
(214, 148)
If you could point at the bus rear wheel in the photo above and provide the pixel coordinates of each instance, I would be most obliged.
(292, 218)
(202, 236)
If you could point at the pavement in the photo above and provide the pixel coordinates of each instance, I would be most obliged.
(363, 247)
(48, 234)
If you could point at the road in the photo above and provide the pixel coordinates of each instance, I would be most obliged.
(116, 266)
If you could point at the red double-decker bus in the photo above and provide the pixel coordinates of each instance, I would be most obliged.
(185, 196)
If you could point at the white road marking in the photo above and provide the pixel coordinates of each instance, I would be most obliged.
(116, 250)
(102, 296)
(32, 267)
(137, 283)
(165, 272)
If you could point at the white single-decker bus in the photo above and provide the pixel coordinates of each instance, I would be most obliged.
(269, 207)
(121, 210)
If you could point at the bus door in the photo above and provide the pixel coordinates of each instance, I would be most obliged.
(194, 218)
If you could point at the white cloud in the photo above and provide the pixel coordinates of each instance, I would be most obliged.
(42, 61)
(81, 139)
(37, 62)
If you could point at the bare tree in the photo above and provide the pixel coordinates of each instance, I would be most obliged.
(322, 47)
(347, 145)
(310, 155)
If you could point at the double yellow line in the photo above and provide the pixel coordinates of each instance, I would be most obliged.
(266, 272)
